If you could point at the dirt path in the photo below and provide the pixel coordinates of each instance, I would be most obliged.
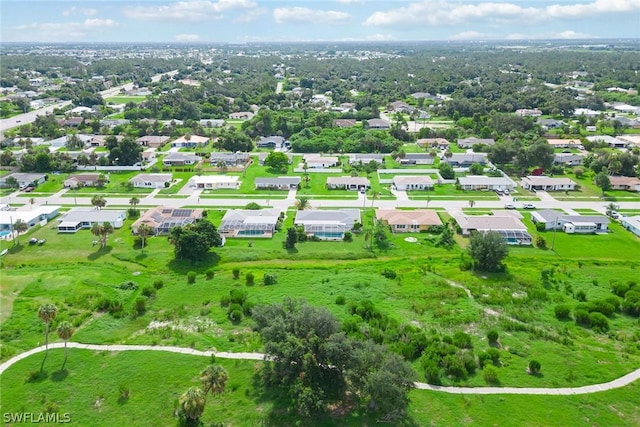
(617, 383)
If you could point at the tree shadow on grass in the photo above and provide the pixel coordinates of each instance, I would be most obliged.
(141, 256)
(183, 266)
(60, 375)
(99, 253)
(16, 249)
(37, 376)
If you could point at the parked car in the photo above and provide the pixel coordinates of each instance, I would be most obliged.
(615, 215)
(29, 189)
(529, 206)
(33, 241)
(509, 206)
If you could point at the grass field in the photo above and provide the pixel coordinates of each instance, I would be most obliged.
(75, 275)
(125, 99)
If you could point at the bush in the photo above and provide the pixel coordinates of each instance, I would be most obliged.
(540, 226)
(389, 274)
(250, 279)
(158, 284)
(582, 317)
(238, 296)
(462, 340)
(340, 300)
(149, 291)
(541, 242)
(191, 277)
(581, 296)
(534, 367)
(348, 236)
(210, 274)
(128, 286)
(225, 300)
(235, 314)
(619, 289)
(269, 279)
(599, 322)
(562, 312)
(236, 273)
(252, 206)
(494, 355)
(493, 336)
(140, 305)
(490, 375)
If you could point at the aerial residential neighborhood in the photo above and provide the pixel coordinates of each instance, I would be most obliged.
(339, 232)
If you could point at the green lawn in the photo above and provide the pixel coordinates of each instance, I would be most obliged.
(125, 99)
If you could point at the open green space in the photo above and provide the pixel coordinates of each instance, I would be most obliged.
(125, 99)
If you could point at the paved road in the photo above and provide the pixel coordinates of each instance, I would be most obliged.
(617, 383)
(29, 117)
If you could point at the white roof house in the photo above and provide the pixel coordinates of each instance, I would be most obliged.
(547, 183)
(327, 224)
(30, 217)
(481, 182)
(249, 223)
(632, 223)
(78, 218)
(348, 182)
(179, 159)
(214, 182)
(151, 180)
(507, 224)
(315, 161)
(412, 182)
(570, 223)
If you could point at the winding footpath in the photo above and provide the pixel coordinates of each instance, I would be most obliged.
(566, 391)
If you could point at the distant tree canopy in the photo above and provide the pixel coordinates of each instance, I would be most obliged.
(192, 242)
(320, 366)
(347, 140)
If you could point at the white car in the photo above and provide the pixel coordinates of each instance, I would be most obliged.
(528, 206)
(509, 206)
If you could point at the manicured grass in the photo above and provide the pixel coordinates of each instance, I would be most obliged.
(125, 99)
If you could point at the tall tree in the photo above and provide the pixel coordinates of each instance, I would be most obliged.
(47, 313)
(19, 227)
(487, 250)
(602, 180)
(303, 203)
(102, 231)
(192, 404)
(65, 331)
(98, 201)
(143, 232)
(214, 379)
(134, 202)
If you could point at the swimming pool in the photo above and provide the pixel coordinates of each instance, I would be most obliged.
(329, 235)
(4, 233)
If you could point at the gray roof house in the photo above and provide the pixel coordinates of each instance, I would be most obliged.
(24, 179)
(327, 224)
(275, 142)
(249, 223)
(378, 124)
(151, 180)
(152, 141)
(348, 183)
(229, 158)
(366, 158)
(507, 224)
(180, 159)
(632, 223)
(470, 142)
(568, 159)
(279, 183)
(78, 218)
(466, 160)
(570, 223)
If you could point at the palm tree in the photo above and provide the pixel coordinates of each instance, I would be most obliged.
(611, 207)
(303, 203)
(47, 312)
(192, 404)
(19, 227)
(144, 231)
(65, 330)
(32, 202)
(98, 201)
(214, 379)
(220, 164)
(102, 231)
(134, 202)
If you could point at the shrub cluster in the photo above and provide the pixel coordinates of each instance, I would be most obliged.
(237, 304)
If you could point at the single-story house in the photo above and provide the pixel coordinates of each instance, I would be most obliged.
(549, 123)
(464, 160)
(412, 182)
(344, 123)
(279, 183)
(528, 112)
(400, 107)
(30, 216)
(439, 143)
(366, 158)
(24, 179)
(83, 180)
(315, 161)
(78, 218)
(241, 115)
(570, 223)
(262, 155)
(148, 154)
(416, 159)
(249, 223)
(71, 121)
(151, 180)
(632, 223)
(470, 142)
(190, 141)
(378, 124)
(327, 224)
(211, 123)
(274, 142)
(507, 224)
(547, 183)
(152, 141)
(229, 158)
(628, 183)
(214, 182)
(568, 159)
(111, 123)
(403, 221)
(348, 183)
(481, 182)
(180, 159)
(564, 143)
(611, 141)
(162, 219)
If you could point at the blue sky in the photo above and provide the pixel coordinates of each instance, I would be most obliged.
(316, 20)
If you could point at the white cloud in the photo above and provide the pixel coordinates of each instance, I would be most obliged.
(72, 11)
(470, 35)
(563, 35)
(187, 38)
(445, 12)
(305, 15)
(187, 11)
(68, 31)
(250, 15)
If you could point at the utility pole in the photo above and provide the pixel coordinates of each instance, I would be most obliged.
(555, 229)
